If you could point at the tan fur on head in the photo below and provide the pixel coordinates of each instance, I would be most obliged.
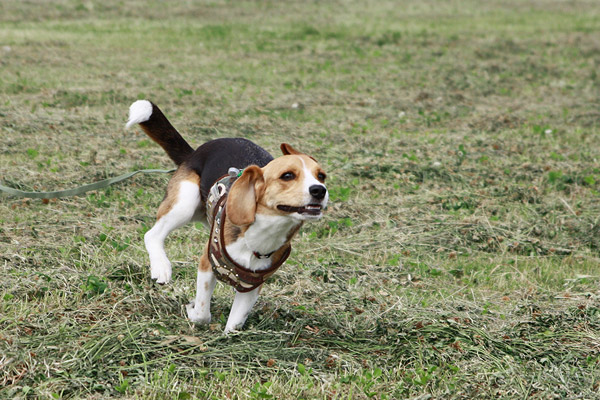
(293, 191)
(243, 196)
(282, 182)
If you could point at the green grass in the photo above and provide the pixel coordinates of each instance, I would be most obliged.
(459, 257)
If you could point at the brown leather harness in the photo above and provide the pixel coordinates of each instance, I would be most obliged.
(225, 269)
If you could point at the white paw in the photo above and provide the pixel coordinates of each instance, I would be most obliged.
(161, 271)
(233, 328)
(197, 316)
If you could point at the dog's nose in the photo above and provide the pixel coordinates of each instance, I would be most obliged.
(317, 191)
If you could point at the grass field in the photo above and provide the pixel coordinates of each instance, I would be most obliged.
(460, 257)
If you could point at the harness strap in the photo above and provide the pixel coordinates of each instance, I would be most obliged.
(224, 267)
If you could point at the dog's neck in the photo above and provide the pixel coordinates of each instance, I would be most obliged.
(268, 234)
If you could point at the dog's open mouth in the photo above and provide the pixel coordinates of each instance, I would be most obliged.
(311, 209)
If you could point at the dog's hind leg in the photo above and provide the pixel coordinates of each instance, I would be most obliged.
(178, 208)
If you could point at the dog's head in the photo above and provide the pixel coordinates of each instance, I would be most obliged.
(292, 185)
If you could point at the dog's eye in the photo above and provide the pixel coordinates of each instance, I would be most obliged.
(321, 176)
(287, 176)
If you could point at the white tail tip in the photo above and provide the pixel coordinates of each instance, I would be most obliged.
(139, 112)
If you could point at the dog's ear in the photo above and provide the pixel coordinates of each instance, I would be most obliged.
(287, 150)
(243, 196)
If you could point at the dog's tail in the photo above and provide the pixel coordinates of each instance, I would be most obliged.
(158, 127)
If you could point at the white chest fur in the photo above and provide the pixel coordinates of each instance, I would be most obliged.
(267, 234)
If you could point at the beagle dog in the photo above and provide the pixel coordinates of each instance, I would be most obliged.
(254, 205)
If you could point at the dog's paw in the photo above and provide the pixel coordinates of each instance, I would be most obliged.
(197, 316)
(230, 330)
(161, 272)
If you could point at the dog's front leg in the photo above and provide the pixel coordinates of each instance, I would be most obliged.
(199, 310)
(242, 304)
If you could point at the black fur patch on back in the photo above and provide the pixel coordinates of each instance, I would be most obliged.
(213, 159)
